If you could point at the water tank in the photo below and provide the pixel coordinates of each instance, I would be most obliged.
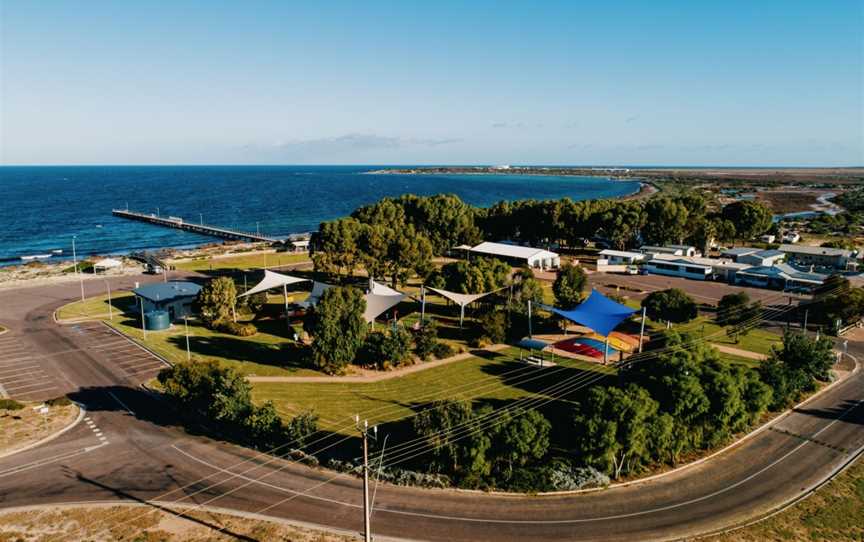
(157, 320)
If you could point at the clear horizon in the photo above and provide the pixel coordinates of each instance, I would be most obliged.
(737, 84)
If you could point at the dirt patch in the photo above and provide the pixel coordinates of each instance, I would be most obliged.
(20, 428)
(789, 201)
(148, 524)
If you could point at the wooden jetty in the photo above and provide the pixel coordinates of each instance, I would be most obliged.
(203, 229)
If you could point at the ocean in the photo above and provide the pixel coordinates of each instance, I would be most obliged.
(41, 208)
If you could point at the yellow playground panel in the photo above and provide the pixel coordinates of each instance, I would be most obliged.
(619, 341)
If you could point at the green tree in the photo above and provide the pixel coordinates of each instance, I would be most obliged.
(568, 286)
(301, 427)
(494, 326)
(672, 305)
(435, 424)
(337, 251)
(612, 428)
(666, 221)
(521, 439)
(795, 367)
(751, 218)
(731, 307)
(475, 276)
(338, 328)
(216, 301)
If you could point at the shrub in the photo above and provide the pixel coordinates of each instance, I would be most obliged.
(425, 340)
(10, 404)
(59, 401)
(216, 300)
(442, 351)
(563, 476)
(386, 349)
(236, 328)
(494, 326)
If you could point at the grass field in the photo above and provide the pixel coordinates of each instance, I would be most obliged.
(241, 261)
(267, 353)
(834, 514)
(487, 377)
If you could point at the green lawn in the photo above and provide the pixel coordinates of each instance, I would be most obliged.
(94, 307)
(835, 513)
(495, 378)
(267, 353)
(241, 261)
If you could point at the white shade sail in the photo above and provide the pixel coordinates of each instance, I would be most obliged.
(318, 289)
(461, 299)
(380, 299)
(272, 280)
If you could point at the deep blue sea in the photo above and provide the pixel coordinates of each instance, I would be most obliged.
(41, 208)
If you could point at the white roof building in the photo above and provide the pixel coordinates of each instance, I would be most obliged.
(519, 255)
(621, 256)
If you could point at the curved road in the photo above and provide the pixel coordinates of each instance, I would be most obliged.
(127, 449)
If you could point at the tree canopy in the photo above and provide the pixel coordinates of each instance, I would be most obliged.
(216, 300)
(338, 329)
(751, 218)
(672, 305)
(568, 286)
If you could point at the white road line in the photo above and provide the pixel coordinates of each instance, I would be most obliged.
(541, 522)
(42, 462)
(15, 361)
(19, 369)
(121, 403)
(21, 379)
(32, 393)
(14, 389)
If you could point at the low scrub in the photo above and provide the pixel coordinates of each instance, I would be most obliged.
(10, 404)
(236, 328)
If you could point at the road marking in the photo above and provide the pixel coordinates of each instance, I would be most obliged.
(47, 461)
(540, 522)
(121, 403)
(18, 369)
(16, 389)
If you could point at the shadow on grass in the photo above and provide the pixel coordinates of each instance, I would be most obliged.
(286, 355)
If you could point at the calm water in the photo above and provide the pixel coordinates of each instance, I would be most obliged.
(42, 207)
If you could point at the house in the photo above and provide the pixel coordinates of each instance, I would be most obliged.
(686, 250)
(536, 258)
(780, 277)
(768, 238)
(648, 249)
(677, 266)
(791, 237)
(175, 298)
(837, 259)
(754, 256)
(621, 257)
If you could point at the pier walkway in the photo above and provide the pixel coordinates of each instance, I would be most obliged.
(203, 229)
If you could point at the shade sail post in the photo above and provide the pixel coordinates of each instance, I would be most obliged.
(529, 319)
(422, 305)
(461, 315)
(642, 329)
(285, 293)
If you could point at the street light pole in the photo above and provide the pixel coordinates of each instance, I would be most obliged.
(75, 263)
(188, 350)
(110, 308)
(143, 324)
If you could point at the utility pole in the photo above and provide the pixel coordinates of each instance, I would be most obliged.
(529, 318)
(365, 434)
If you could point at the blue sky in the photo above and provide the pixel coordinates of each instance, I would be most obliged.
(701, 83)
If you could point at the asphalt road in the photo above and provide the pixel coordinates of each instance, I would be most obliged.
(129, 449)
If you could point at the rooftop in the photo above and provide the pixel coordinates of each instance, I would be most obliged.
(816, 251)
(166, 291)
(510, 251)
(621, 253)
(740, 251)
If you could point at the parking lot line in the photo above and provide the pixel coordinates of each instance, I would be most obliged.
(17, 369)
(19, 379)
(16, 389)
